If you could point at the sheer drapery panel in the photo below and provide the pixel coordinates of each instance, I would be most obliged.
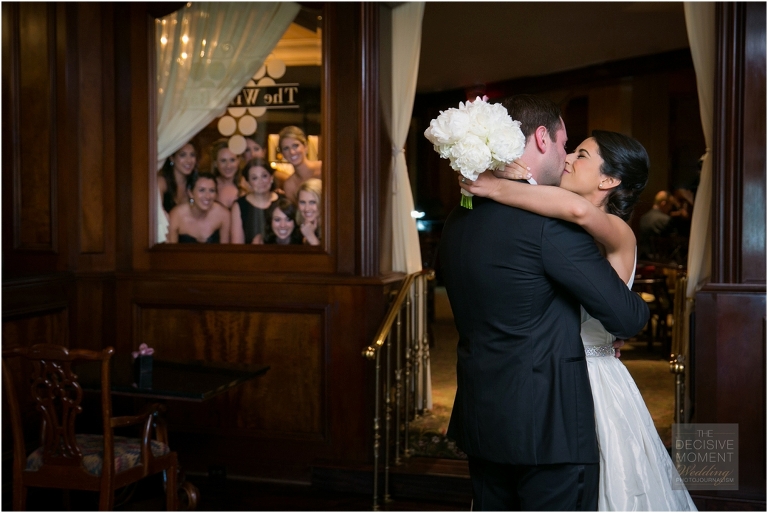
(406, 252)
(206, 53)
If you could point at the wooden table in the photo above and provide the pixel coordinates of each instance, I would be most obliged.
(182, 380)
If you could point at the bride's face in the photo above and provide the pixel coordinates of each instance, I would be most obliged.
(582, 169)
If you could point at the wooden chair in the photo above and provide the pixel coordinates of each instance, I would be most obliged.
(74, 461)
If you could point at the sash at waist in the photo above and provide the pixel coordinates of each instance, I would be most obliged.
(595, 351)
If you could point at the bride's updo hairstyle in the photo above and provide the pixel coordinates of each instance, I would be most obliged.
(625, 159)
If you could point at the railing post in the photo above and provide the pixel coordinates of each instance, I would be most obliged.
(376, 432)
(399, 384)
(388, 419)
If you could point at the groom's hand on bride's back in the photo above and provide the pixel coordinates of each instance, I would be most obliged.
(617, 347)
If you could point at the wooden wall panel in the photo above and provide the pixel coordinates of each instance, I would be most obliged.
(92, 130)
(730, 363)
(287, 401)
(753, 186)
(34, 166)
(26, 331)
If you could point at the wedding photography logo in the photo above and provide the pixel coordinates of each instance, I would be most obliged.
(706, 456)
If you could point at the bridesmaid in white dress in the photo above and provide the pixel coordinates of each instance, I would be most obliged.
(607, 173)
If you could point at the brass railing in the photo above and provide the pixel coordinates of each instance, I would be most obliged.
(406, 323)
(679, 346)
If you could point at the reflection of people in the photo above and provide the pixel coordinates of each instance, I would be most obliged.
(254, 149)
(248, 210)
(655, 225)
(308, 217)
(293, 146)
(202, 219)
(225, 167)
(172, 178)
(523, 411)
(607, 172)
(281, 223)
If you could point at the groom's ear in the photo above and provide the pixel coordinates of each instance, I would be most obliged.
(541, 137)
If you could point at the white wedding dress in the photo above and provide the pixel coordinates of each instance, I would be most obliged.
(636, 470)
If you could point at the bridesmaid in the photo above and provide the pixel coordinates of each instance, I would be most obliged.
(248, 211)
(281, 223)
(225, 166)
(172, 178)
(293, 146)
(201, 219)
(308, 217)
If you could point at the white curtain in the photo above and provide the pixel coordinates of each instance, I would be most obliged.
(206, 53)
(406, 47)
(406, 253)
(700, 23)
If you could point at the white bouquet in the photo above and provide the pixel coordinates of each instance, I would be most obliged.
(475, 137)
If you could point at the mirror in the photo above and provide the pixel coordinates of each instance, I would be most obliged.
(239, 164)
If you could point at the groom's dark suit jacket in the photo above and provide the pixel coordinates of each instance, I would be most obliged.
(515, 281)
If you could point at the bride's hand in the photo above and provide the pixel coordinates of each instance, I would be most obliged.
(517, 170)
(485, 186)
(617, 347)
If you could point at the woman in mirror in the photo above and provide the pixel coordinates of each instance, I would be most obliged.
(225, 165)
(308, 217)
(293, 145)
(248, 211)
(172, 178)
(202, 219)
(254, 149)
(281, 223)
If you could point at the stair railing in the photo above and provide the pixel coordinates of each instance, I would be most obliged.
(404, 331)
(680, 345)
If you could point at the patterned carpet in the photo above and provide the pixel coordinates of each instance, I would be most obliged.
(649, 370)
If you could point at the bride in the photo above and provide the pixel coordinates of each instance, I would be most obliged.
(601, 183)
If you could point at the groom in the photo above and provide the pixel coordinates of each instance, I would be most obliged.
(523, 411)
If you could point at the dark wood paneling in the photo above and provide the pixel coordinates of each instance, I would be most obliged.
(739, 157)
(35, 168)
(91, 135)
(369, 148)
(37, 329)
(286, 402)
(754, 200)
(730, 378)
(314, 402)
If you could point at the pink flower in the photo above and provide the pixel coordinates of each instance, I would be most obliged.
(144, 350)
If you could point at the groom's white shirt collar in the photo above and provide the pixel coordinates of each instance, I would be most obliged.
(532, 181)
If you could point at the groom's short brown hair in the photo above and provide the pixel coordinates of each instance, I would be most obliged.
(532, 112)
